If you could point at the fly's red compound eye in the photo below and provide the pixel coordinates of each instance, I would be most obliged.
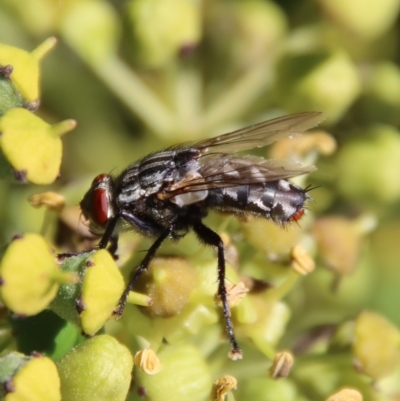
(98, 180)
(97, 204)
(100, 206)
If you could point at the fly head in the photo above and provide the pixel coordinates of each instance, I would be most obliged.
(98, 203)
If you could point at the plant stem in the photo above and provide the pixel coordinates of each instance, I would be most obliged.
(239, 96)
(128, 86)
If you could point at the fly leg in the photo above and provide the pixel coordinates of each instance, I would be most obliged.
(110, 238)
(108, 235)
(113, 248)
(107, 238)
(209, 237)
(140, 269)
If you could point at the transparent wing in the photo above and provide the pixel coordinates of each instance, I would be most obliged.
(259, 135)
(230, 171)
(217, 168)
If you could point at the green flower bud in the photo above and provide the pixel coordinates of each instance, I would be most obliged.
(376, 345)
(367, 21)
(29, 275)
(91, 28)
(322, 81)
(269, 238)
(25, 378)
(182, 297)
(98, 369)
(168, 282)
(32, 147)
(268, 327)
(339, 241)
(381, 101)
(46, 333)
(184, 376)
(39, 17)
(10, 96)
(162, 29)
(264, 389)
(90, 302)
(343, 336)
(260, 24)
(101, 289)
(367, 168)
(25, 67)
(183, 326)
(248, 30)
(67, 303)
(207, 283)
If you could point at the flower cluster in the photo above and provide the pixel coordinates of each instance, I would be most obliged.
(314, 304)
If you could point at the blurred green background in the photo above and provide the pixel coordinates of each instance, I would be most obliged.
(141, 75)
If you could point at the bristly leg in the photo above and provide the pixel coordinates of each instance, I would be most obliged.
(140, 269)
(108, 234)
(209, 237)
(113, 248)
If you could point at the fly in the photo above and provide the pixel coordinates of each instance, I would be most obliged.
(168, 193)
